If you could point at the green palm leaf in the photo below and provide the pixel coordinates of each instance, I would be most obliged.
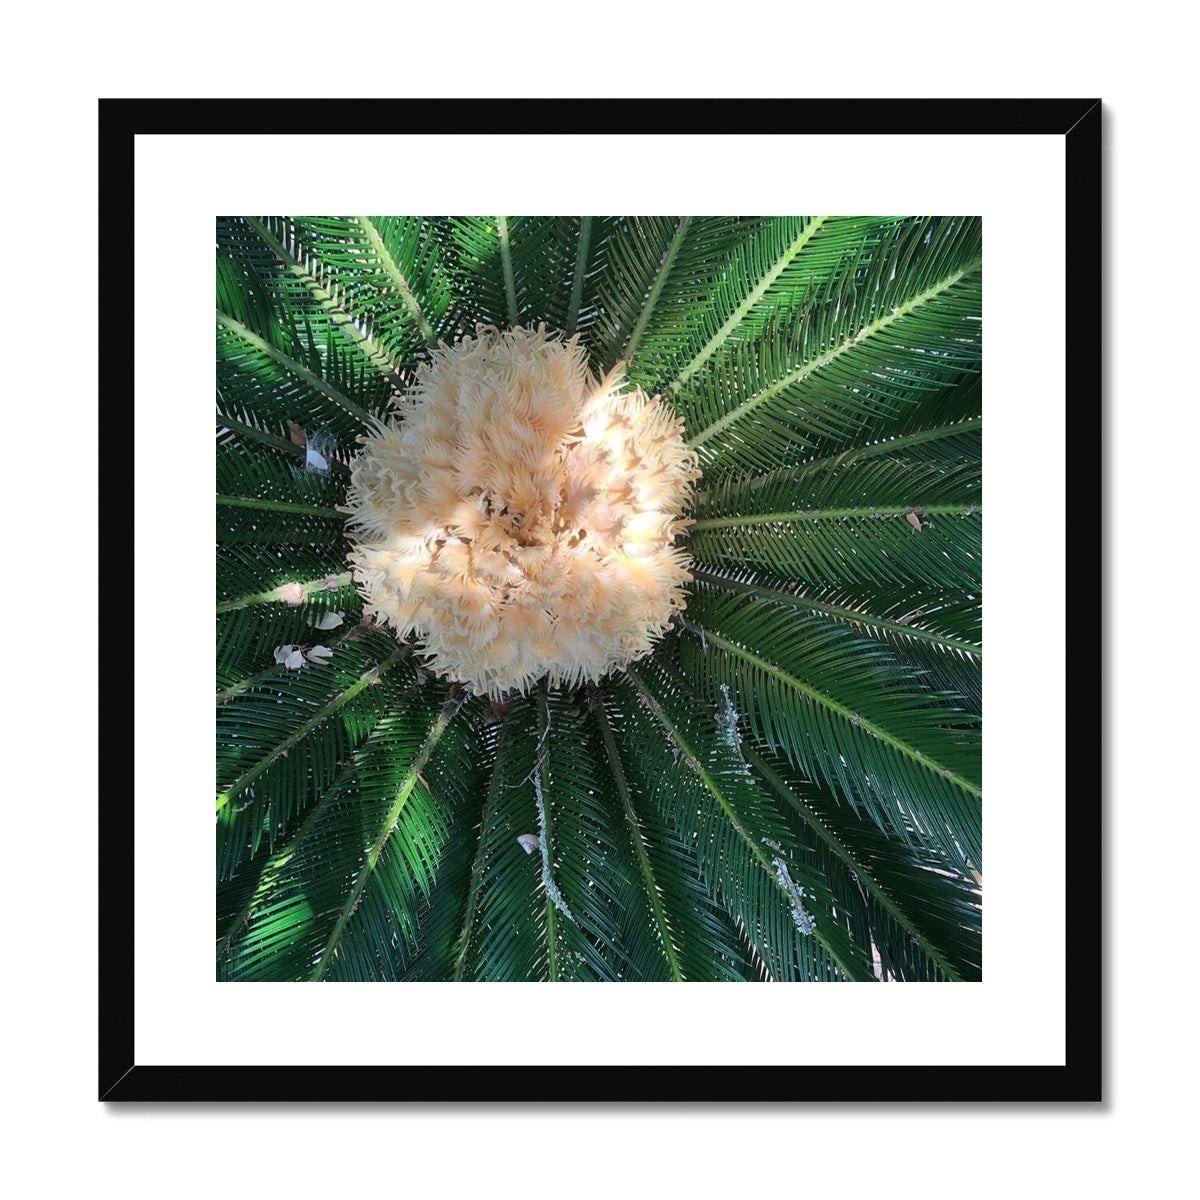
(847, 711)
(876, 521)
(868, 350)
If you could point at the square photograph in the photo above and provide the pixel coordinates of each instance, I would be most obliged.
(599, 599)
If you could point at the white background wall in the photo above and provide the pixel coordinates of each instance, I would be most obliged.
(64, 1143)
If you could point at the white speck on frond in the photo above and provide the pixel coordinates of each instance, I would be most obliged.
(291, 657)
(727, 722)
(802, 917)
(318, 450)
(555, 896)
(327, 620)
(529, 842)
(292, 593)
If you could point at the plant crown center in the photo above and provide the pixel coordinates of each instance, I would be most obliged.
(519, 518)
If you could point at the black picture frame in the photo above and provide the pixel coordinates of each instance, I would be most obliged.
(1078, 122)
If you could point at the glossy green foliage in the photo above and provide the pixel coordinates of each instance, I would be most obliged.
(788, 789)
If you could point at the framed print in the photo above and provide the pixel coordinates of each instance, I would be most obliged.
(600, 599)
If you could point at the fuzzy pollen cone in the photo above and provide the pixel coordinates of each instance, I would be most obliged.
(518, 518)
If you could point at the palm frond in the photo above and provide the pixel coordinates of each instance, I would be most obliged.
(641, 254)
(771, 275)
(551, 259)
(870, 347)
(384, 273)
(922, 919)
(673, 927)
(273, 249)
(913, 517)
(502, 935)
(472, 255)
(739, 839)
(287, 362)
(845, 710)
(935, 632)
(283, 739)
(680, 312)
(350, 853)
(457, 775)
(380, 917)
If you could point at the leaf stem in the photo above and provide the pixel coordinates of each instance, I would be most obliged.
(282, 506)
(510, 284)
(336, 312)
(664, 269)
(554, 898)
(774, 596)
(715, 791)
(901, 442)
(636, 837)
(840, 710)
(585, 237)
(755, 295)
(862, 873)
(290, 364)
(405, 790)
(873, 512)
(397, 279)
(276, 594)
(338, 702)
(495, 788)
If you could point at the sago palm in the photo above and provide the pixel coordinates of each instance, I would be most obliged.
(717, 717)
